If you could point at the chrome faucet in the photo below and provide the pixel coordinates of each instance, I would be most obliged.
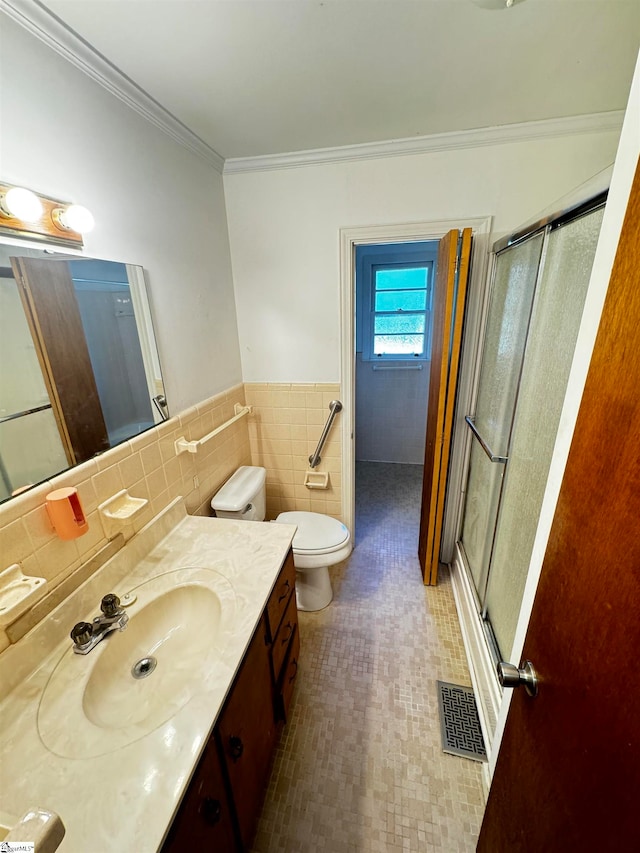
(87, 635)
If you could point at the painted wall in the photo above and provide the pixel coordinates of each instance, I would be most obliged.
(155, 203)
(284, 231)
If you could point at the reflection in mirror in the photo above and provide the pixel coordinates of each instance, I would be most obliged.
(79, 366)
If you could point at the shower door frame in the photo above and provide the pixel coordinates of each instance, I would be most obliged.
(481, 650)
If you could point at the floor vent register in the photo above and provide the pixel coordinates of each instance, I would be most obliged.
(459, 722)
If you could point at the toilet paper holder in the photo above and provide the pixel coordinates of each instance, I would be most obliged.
(316, 479)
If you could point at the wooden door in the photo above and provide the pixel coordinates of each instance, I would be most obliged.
(48, 296)
(568, 771)
(454, 252)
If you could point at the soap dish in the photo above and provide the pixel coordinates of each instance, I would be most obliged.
(17, 593)
(119, 511)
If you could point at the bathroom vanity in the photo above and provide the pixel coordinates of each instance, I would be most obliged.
(180, 759)
(221, 806)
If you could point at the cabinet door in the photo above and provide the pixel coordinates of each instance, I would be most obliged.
(247, 733)
(204, 820)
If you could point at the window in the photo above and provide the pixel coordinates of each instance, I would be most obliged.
(394, 296)
(400, 317)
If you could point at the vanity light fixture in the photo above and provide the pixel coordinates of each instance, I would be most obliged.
(27, 214)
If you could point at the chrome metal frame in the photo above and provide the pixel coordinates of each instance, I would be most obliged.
(555, 220)
(26, 412)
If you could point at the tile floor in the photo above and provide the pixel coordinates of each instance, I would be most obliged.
(360, 767)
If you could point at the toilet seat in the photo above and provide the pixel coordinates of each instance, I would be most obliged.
(317, 534)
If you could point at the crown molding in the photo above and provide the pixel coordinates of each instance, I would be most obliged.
(478, 137)
(48, 28)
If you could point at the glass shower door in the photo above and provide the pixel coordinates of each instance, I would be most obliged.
(534, 315)
(30, 444)
(561, 292)
(505, 338)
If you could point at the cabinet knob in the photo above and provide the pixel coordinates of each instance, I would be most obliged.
(211, 810)
(286, 588)
(236, 747)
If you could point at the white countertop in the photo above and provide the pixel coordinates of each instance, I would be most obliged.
(125, 798)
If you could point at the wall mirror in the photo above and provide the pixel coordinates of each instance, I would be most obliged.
(79, 365)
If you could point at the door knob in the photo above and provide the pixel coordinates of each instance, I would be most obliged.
(510, 676)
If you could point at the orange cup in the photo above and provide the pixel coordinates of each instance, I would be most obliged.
(66, 513)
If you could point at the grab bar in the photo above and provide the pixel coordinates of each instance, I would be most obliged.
(483, 444)
(181, 444)
(335, 406)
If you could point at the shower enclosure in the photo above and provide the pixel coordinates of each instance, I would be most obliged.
(537, 297)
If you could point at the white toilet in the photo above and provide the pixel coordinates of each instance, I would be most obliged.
(319, 542)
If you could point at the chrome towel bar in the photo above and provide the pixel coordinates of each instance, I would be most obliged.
(335, 406)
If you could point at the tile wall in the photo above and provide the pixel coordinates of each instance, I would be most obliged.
(280, 435)
(283, 432)
(391, 411)
(148, 467)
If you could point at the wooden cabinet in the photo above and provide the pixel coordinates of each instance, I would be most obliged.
(246, 733)
(204, 820)
(221, 807)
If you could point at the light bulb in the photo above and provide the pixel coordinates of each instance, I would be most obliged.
(21, 204)
(74, 218)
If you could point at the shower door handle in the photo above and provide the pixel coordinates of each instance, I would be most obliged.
(494, 457)
(512, 676)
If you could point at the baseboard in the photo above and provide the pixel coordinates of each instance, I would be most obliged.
(481, 666)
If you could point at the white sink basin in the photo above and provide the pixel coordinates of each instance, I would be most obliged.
(136, 680)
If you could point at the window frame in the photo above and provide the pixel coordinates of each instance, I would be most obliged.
(393, 263)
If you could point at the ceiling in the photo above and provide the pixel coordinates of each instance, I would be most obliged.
(256, 77)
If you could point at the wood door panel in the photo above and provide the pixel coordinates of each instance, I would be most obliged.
(56, 326)
(568, 771)
(442, 309)
(448, 314)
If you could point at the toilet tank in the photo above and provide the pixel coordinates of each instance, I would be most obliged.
(243, 495)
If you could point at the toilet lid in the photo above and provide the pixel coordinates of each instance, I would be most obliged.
(316, 532)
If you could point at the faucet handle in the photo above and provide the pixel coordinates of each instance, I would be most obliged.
(110, 605)
(81, 633)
